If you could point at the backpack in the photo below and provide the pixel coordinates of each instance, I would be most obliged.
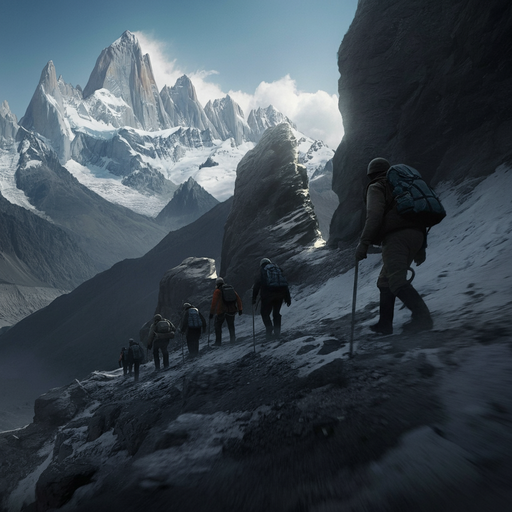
(272, 276)
(229, 298)
(163, 327)
(136, 352)
(194, 320)
(415, 200)
(228, 294)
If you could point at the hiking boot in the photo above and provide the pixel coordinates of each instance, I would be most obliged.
(386, 312)
(382, 328)
(421, 319)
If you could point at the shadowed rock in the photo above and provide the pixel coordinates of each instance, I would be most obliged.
(272, 214)
(422, 83)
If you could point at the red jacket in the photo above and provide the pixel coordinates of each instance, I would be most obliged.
(219, 307)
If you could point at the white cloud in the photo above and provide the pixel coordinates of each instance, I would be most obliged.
(315, 114)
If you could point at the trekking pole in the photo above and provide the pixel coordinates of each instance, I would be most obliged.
(354, 297)
(209, 320)
(253, 330)
(182, 353)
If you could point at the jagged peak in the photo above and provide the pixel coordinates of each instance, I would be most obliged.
(127, 39)
(48, 75)
(4, 108)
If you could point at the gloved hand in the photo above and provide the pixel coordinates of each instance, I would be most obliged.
(420, 257)
(211, 316)
(361, 251)
(239, 311)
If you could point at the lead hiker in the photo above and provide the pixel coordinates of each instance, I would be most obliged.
(272, 286)
(192, 323)
(160, 332)
(135, 358)
(392, 223)
(225, 304)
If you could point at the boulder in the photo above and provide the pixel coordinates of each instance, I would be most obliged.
(192, 281)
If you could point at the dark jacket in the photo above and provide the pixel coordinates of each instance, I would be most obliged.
(184, 321)
(381, 214)
(267, 293)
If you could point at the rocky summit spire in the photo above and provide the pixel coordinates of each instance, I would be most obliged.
(8, 122)
(127, 73)
(183, 107)
(46, 114)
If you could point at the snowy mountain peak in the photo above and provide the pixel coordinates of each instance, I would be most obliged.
(48, 77)
(126, 73)
(8, 122)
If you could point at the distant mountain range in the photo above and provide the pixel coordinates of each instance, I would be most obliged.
(118, 164)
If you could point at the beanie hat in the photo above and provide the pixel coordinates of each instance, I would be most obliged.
(264, 261)
(157, 318)
(378, 166)
(219, 280)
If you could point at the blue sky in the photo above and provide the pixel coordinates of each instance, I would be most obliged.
(279, 51)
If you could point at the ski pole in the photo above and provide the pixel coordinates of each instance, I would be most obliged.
(354, 297)
(253, 331)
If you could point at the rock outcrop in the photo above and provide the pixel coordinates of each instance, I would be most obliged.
(272, 214)
(192, 281)
(423, 83)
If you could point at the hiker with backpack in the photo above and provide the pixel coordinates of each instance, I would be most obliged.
(225, 305)
(123, 360)
(394, 198)
(160, 332)
(135, 358)
(272, 287)
(192, 323)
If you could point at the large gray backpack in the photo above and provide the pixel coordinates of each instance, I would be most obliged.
(415, 200)
(194, 320)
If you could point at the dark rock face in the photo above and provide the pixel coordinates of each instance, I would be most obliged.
(36, 252)
(272, 214)
(422, 83)
(189, 202)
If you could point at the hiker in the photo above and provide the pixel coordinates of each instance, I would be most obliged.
(272, 286)
(123, 360)
(403, 241)
(191, 325)
(135, 358)
(225, 304)
(160, 332)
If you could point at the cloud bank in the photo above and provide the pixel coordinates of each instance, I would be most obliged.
(315, 114)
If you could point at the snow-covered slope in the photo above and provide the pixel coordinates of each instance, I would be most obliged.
(436, 404)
